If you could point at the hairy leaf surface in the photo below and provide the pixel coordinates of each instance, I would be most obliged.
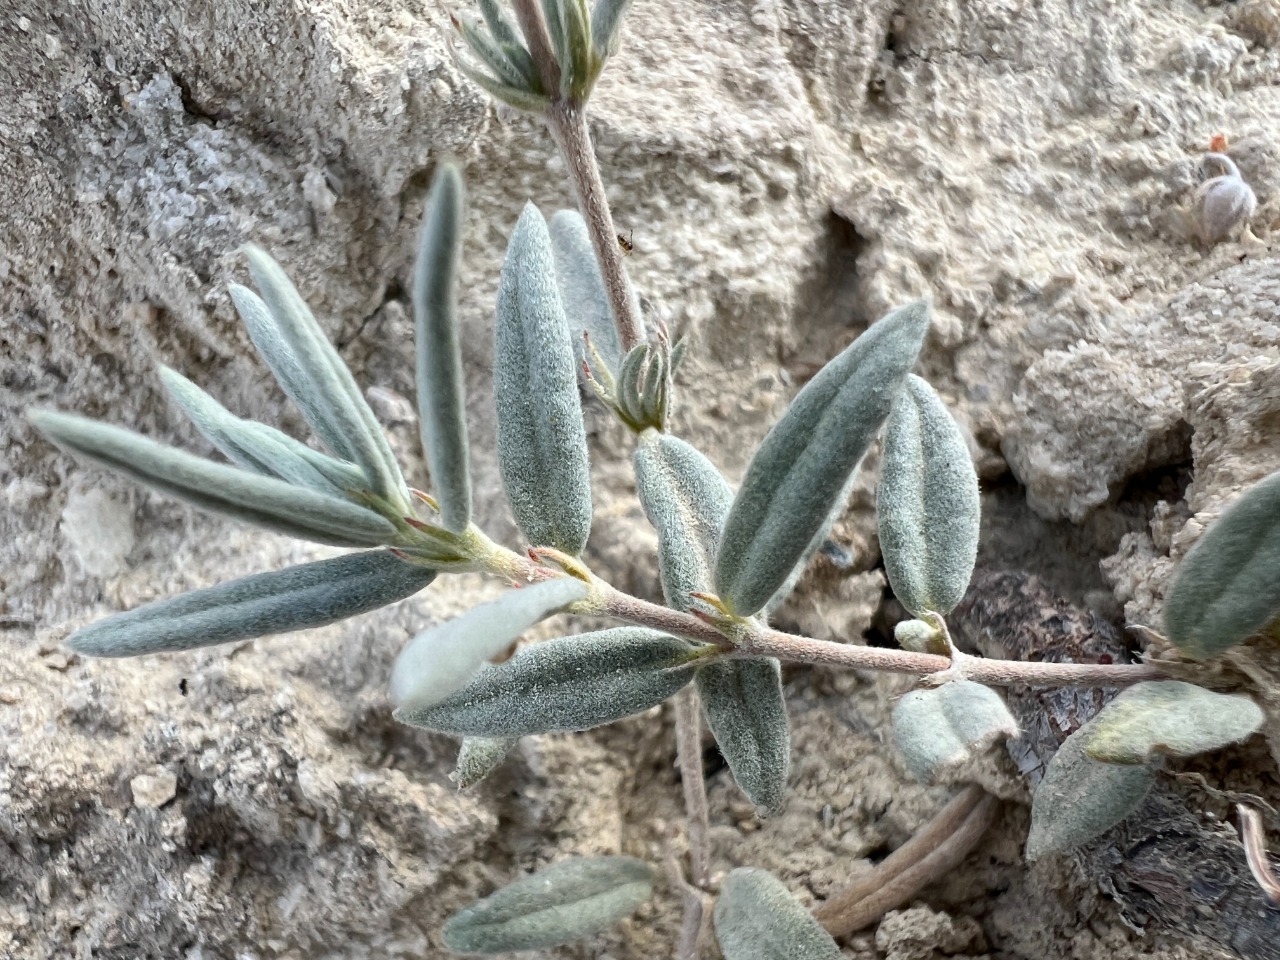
(1226, 588)
(296, 598)
(927, 504)
(566, 901)
(796, 476)
(757, 918)
(571, 683)
(542, 443)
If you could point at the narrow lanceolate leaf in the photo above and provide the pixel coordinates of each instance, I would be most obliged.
(572, 683)
(927, 504)
(686, 499)
(478, 757)
(441, 400)
(264, 501)
(1080, 799)
(757, 918)
(582, 290)
(819, 538)
(747, 713)
(606, 26)
(296, 598)
(314, 375)
(444, 658)
(542, 443)
(489, 52)
(1170, 717)
(941, 728)
(1226, 588)
(566, 901)
(797, 474)
(251, 445)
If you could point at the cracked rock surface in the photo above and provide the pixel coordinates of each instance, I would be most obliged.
(787, 172)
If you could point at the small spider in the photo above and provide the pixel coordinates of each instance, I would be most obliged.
(626, 244)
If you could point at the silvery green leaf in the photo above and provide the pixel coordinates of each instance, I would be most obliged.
(1226, 587)
(606, 26)
(582, 290)
(253, 446)
(491, 53)
(797, 572)
(1081, 798)
(938, 728)
(572, 683)
(315, 376)
(341, 474)
(747, 713)
(686, 499)
(567, 901)
(557, 28)
(927, 505)
(441, 399)
(478, 757)
(503, 30)
(444, 658)
(1169, 717)
(757, 918)
(798, 473)
(264, 501)
(542, 443)
(296, 598)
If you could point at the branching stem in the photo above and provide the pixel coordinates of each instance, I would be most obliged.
(760, 641)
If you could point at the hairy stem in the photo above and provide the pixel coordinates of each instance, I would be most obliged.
(759, 641)
(534, 27)
(689, 754)
(938, 847)
(567, 122)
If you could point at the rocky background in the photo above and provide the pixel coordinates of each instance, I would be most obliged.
(787, 170)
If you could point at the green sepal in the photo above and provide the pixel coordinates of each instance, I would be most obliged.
(927, 504)
(567, 901)
(444, 658)
(757, 918)
(296, 598)
(441, 398)
(800, 469)
(686, 500)
(542, 442)
(314, 376)
(1226, 588)
(747, 713)
(1080, 798)
(939, 728)
(478, 757)
(264, 501)
(567, 684)
(1169, 718)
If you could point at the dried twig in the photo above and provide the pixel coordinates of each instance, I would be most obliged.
(1255, 852)
(939, 846)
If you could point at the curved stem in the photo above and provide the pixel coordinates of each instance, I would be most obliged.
(939, 846)
(567, 122)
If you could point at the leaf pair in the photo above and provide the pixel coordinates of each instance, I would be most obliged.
(1102, 772)
(686, 499)
(795, 480)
